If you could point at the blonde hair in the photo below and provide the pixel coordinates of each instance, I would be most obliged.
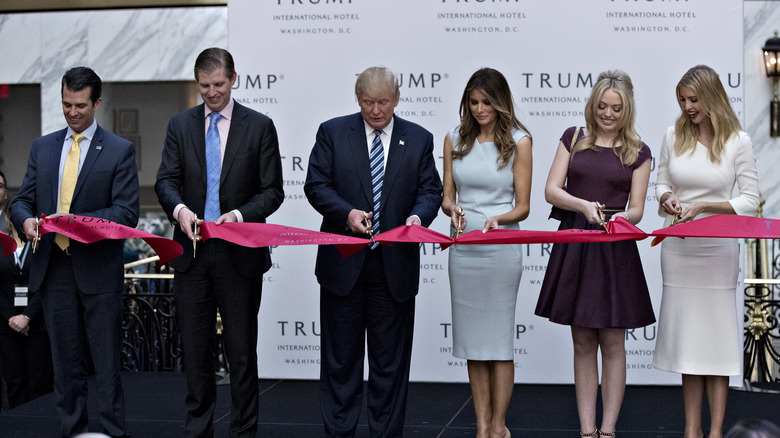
(377, 79)
(619, 82)
(495, 86)
(706, 84)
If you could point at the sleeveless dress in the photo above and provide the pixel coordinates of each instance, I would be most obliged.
(484, 279)
(698, 330)
(596, 285)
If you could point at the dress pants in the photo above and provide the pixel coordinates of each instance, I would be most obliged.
(27, 366)
(212, 282)
(78, 324)
(368, 310)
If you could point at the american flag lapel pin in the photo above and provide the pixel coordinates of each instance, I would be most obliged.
(400, 142)
(99, 147)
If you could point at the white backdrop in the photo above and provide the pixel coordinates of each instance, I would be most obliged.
(297, 61)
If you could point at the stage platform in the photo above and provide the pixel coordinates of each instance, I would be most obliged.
(290, 409)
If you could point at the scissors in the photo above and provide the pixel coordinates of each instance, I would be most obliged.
(37, 236)
(602, 217)
(196, 237)
(459, 230)
(367, 223)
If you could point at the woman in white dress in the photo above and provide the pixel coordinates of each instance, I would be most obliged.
(702, 157)
(487, 185)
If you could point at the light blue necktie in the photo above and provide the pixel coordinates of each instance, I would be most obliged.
(377, 159)
(213, 169)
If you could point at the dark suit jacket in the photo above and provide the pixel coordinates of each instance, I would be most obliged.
(339, 179)
(251, 178)
(107, 188)
(10, 277)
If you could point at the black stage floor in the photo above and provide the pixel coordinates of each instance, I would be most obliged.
(289, 408)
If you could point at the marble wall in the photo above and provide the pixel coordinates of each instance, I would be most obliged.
(161, 44)
(122, 45)
(762, 18)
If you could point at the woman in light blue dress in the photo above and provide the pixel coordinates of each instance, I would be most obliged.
(487, 185)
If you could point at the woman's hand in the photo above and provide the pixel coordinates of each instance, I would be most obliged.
(592, 212)
(691, 212)
(490, 224)
(671, 205)
(623, 214)
(458, 218)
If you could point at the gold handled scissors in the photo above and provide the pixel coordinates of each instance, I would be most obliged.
(602, 217)
(37, 236)
(195, 237)
(459, 230)
(367, 223)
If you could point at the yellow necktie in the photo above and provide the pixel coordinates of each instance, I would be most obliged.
(70, 175)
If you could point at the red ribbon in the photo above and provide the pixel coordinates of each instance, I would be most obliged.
(86, 229)
(256, 235)
(723, 226)
(7, 243)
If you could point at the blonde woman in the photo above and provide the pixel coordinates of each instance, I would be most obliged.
(599, 289)
(702, 157)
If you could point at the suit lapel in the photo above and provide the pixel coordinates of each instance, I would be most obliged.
(197, 132)
(359, 146)
(95, 149)
(235, 141)
(395, 157)
(54, 162)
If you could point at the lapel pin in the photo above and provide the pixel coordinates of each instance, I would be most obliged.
(99, 147)
(401, 142)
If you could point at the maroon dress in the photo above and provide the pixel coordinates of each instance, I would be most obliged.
(596, 285)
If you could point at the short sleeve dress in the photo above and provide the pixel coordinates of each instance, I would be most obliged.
(596, 285)
(484, 279)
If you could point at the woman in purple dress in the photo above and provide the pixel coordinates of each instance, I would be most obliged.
(599, 172)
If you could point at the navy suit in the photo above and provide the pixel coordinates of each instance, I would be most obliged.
(81, 289)
(221, 275)
(372, 292)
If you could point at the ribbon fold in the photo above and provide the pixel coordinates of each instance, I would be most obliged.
(86, 229)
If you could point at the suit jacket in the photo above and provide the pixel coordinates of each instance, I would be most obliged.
(339, 180)
(251, 179)
(107, 188)
(10, 277)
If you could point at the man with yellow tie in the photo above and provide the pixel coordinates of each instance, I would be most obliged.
(87, 171)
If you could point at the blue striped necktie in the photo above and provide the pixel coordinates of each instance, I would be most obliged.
(213, 169)
(377, 159)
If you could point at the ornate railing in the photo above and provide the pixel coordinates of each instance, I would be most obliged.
(762, 311)
(150, 330)
(151, 340)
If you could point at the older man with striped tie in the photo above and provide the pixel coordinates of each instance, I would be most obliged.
(369, 172)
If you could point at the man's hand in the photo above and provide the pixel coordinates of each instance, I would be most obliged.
(187, 222)
(30, 228)
(359, 222)
(227, 217)
(19, 323)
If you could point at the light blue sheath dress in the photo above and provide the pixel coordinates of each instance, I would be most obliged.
(484, 279)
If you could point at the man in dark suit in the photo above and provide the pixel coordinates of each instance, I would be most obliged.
(87, 171)
(220, 163)
(369, 171)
